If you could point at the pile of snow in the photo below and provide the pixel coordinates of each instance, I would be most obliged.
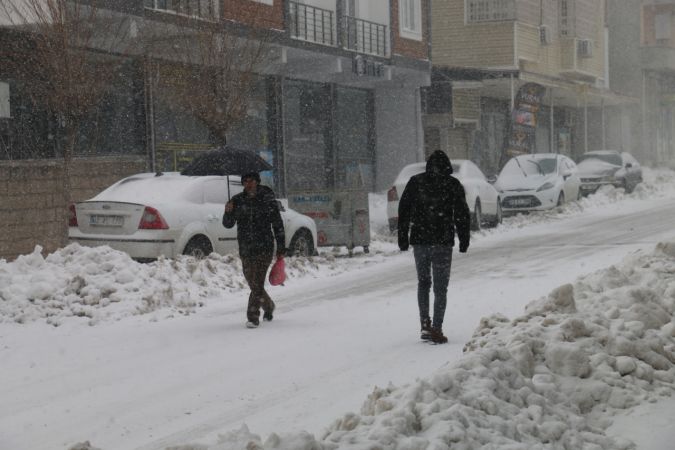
(549, 379)
(100, 284)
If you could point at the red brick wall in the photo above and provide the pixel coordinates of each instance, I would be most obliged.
(255, 13)
(410, 47)
(32, 210)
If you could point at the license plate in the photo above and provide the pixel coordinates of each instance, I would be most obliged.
(521, 201)
(99, 220)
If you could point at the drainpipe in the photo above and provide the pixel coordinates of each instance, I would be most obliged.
(602, 116)
(513, 93)
(585, 122)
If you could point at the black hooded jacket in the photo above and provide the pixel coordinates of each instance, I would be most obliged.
(258, 222)
(433, 204)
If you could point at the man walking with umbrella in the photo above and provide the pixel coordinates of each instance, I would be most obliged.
(256, 213)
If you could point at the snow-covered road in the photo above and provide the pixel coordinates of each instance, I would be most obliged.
(141, 384)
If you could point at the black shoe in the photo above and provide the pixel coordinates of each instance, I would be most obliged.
(268, 315)
(254, 323)
(425, 332)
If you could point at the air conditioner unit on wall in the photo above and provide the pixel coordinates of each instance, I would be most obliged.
(545, 35)
(585, 48)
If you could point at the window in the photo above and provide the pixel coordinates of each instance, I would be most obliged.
(206, 9)
(490, 10)
(567, 17)
(662, 24)
(267, 2)
(4, 100)
(410, 16)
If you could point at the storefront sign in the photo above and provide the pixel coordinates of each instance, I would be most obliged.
(524, 121)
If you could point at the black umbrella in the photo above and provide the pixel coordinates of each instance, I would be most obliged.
(226, 160)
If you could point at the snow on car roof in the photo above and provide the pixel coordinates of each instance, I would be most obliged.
(156, 189)
(415, 168)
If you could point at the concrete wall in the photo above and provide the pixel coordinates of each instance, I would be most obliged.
(32, 209)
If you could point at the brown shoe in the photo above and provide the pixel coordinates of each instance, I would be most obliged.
(437, 336)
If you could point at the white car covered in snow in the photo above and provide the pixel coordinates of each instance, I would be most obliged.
(538, 182)
(149, 215)
(481, 196)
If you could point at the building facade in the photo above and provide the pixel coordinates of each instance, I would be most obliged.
(485, 51)
(642, 65)
(336, 104)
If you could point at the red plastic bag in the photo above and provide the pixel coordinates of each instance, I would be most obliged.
(278, 272)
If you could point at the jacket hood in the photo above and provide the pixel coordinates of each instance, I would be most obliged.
(439, 163)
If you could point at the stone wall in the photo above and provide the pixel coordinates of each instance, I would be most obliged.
(32, 208)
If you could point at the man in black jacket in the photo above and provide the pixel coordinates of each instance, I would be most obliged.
(432, 206)
(256, 214)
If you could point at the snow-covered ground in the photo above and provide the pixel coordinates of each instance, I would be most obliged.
(591, 365)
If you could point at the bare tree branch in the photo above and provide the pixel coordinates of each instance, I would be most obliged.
(62, 50)
(211, 71)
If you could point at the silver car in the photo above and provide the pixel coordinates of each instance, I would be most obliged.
(608, 167)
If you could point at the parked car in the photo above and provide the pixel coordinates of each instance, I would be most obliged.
(537, 181)
(481, 196)
(608, 167)
(148, 215)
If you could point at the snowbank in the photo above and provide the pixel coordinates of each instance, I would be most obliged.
(551, 378)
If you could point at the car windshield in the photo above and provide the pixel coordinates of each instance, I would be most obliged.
(611, 158)
(526, 165)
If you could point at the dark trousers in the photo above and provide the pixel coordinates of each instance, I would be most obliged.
(432, 260)
(255, 271)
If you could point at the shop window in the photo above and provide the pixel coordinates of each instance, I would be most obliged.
(354, 139)
(4, 100)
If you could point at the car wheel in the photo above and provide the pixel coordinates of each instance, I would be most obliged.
(561, 199)
(199, 247)
(301, 244)
(476, 218)
(499, 216)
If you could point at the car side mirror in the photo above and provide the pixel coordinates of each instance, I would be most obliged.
(281, 206)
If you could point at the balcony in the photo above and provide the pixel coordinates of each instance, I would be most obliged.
(318, 25)
(364, 36)
(312, 24)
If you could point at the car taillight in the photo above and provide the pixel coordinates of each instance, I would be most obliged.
(72, 215)
(392, 195)
(152, 220)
